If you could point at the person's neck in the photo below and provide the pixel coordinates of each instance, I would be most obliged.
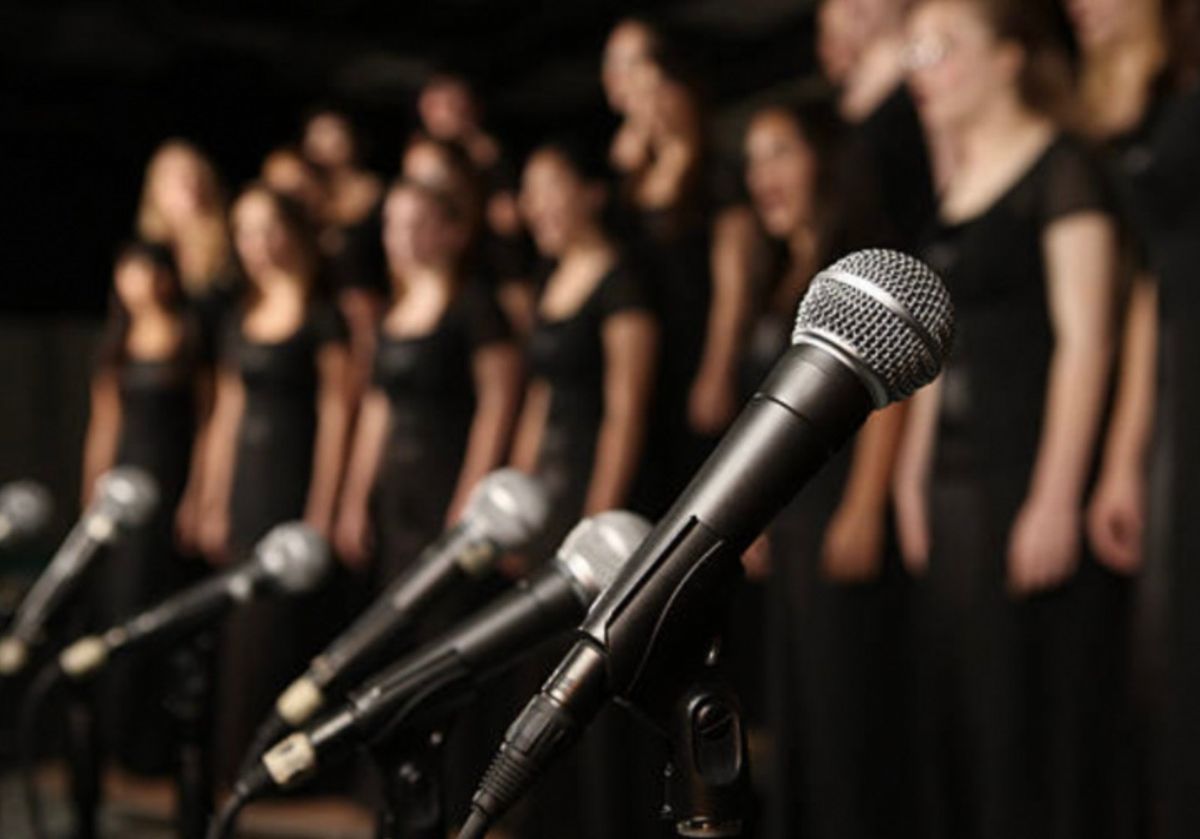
(428, 280)
(587, 245)
(802, 245)
(151, 318)
(996, 129)
(279, 287)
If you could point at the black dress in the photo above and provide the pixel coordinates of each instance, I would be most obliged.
(671, 248)
(834, 660)
(430, 386)
(1158, 168)
(1014, 710)
(354, 257)
(158, 427)
(267, 642)
(605, 789)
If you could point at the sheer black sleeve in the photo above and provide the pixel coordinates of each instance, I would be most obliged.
(1074, 182)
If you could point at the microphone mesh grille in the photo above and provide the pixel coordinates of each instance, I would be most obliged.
(903, 338)
(128, 494)
(508, 507)
(596, 549)
(294, 556)
(27, 505)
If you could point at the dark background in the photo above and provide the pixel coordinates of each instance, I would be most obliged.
(89, 88)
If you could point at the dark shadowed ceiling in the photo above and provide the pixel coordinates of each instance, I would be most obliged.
(88, 87)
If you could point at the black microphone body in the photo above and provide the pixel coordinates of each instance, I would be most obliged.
(504, 512)
(872, 329)
(446, 673)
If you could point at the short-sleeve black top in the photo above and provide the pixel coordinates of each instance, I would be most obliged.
(432, 373)
(568, 353)
(996, 377)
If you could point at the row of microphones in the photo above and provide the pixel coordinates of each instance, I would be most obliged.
(504, 512)
(124, 498)
(871, 329)
(447, 673)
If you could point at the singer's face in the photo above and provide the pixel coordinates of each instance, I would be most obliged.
(259, 235)
(327, 141)
(781, 171)
(447, 109)
(414, 230)
(178, 188)
(1099, 23)
(956, 63)
(627, 47)
(837, 41)
(555, 202)
(136, 283)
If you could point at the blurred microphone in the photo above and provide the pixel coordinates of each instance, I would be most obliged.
(125, 498)
(505, 511)
(872, 329)
(291, 559)
(25, 509)
(445, 673)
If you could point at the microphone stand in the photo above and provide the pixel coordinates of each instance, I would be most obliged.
(188, 702)
(84, 763)
(706, 789)
(409, 769)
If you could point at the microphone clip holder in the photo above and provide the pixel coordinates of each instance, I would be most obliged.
(707, 777)
(409, 768)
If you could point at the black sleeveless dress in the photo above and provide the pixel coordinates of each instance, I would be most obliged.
(267, 643)
(430, 386)
(353, 254)
(1016, 703)
(158, 428)
(1158, 174)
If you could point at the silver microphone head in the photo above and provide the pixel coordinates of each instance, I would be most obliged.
(597, 547)
(293, 556)
(25, 508)
(127, 495)
(508, 507)
(886, 314)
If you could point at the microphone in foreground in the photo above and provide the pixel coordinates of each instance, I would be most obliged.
(291, 559)
(446, 673)
(505, 512)
(125, 498)
(872, 329)
(25, 510)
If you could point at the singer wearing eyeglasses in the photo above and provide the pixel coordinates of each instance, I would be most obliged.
(996, 467)
(275, 448)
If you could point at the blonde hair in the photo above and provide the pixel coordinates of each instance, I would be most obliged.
(209, 235)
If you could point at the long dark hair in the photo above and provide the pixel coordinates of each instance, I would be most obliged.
(1182, 19)
(114, 351)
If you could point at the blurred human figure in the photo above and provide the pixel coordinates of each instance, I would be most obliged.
(276, 449)
(451, 112)
(696, 262)
(835, 598)
(1013, 611)
(348, 233)
(631, 44)
(1139, 97)
(183, 206)
(148, 401)
(287, 171)
(861, 45)
(583, 430)
(443, 396)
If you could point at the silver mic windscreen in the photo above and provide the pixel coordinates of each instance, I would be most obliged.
(597, 547)
(127, 495)
(293, 556)
(885, 313)
(508, 507)
(25, 508)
